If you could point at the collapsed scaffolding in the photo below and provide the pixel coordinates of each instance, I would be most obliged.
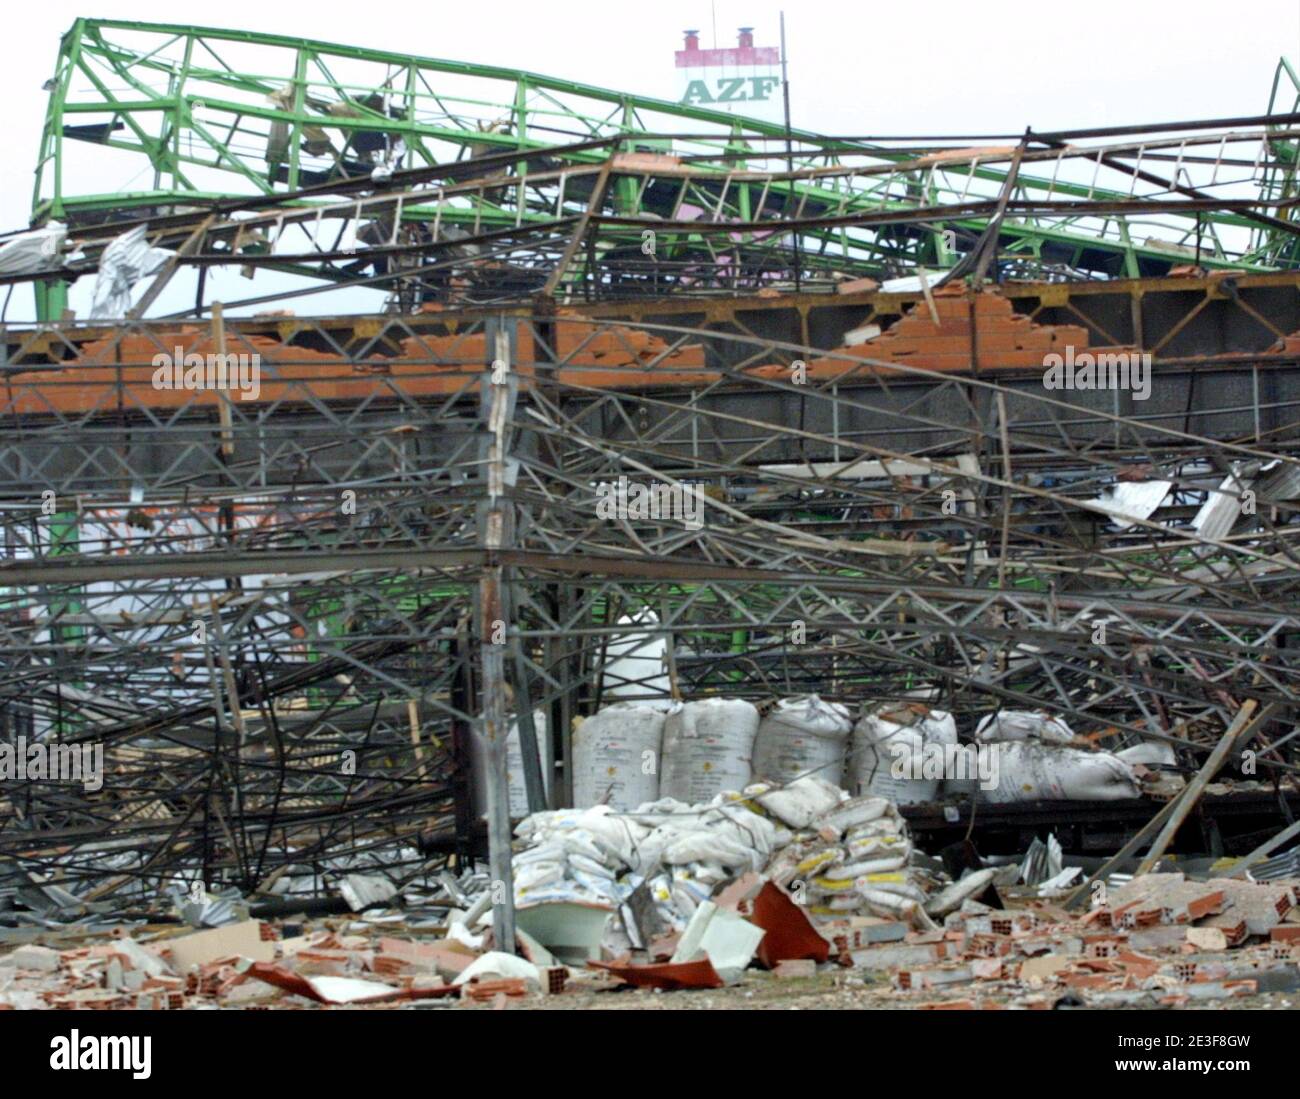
(286, 618)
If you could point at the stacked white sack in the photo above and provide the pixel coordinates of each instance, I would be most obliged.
(708, 747)
(599, 856)
(802, 736)
(853, 858)
(849, 855)
(616, 756)
(890, 734)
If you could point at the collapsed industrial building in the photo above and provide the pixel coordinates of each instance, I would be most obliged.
(693, 548)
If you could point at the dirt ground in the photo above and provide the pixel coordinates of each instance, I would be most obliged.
(843, 989)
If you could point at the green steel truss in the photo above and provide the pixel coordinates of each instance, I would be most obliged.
(180, 120)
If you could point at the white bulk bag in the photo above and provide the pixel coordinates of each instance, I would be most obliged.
(610, 756)
(1029, 771)
(514, 766)
(708, 747)
(636, 663)
(802, 736)
(879, 742)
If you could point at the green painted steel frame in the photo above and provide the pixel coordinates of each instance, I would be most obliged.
(198, 128)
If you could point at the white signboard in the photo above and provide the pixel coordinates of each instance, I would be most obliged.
(743, 79)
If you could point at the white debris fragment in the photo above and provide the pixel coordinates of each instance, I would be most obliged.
(728, 940)
(498, 966)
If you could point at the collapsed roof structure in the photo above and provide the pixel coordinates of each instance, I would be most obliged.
(286, 612)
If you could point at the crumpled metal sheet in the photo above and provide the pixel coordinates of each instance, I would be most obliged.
(1043, 861)
(1223, 506)
(127, 259)
(790, 934)
(212, 909)
(365, 890)
(1130, 500)
(1278, 482)
(1286, 865)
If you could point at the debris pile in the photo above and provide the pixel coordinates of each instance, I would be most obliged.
(1161, 940)
(680, 852)
(801, 881)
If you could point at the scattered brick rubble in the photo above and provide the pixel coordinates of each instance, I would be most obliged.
(1160, 940)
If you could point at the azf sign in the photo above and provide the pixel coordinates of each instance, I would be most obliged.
(731, 89)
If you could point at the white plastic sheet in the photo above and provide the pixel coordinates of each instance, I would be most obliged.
(39, 250)
(495, 966)
(1150, 753)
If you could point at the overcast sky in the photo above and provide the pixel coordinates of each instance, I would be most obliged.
(938, 67)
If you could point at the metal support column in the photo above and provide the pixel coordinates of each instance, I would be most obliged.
(495, 532)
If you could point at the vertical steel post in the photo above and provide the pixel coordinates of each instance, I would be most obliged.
(495, 532)
(492, 659)
(789, 157)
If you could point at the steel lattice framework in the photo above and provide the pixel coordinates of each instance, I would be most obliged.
(287, 617)
(328, 626)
